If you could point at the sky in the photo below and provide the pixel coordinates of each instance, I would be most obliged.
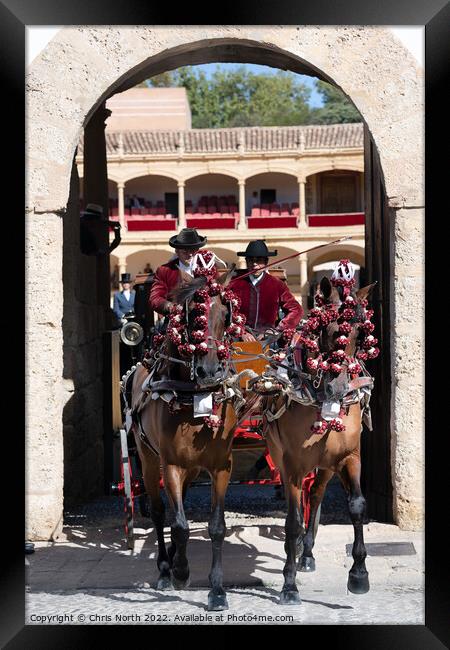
(413, 38)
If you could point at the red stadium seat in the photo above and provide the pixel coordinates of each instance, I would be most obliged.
(256, 212)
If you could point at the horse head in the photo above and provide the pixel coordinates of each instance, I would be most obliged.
(206, 317)
(337, 336)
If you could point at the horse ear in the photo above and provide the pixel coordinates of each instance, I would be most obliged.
(325, 287)
(364, 292)
(225, 278)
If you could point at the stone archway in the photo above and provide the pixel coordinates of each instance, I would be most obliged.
(82, 67)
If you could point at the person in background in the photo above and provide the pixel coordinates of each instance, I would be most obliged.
(124, 300)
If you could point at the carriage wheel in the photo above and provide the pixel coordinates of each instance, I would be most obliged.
(125, 468)
(136, 469)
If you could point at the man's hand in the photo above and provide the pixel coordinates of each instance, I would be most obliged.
(167, 307)
(246, 336)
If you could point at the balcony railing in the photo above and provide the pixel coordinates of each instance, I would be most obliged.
(160, 223)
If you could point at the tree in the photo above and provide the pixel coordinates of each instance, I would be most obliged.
(337, 109)
(231, 98)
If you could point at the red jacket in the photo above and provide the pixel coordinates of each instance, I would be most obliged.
(260, 303)
(167, 277)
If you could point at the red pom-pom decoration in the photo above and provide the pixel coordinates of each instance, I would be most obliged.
(202, 348)
(369, 342)
(201, 295)
(213, 421)
(324, 366)
(342, 341)
(187, 349)
(337, 424)
(312, 364)
(367, 326)
(336, 368)
(372, 353)
(313, 324)
(214, 289)
(240, 319)
(320, 427)
(315, 313)
(176, 309)
(201, 322)
(200, 309)
(234, 330)
(174, 335)
(319, 300)
(354, 368)
(311, 345)
(222, 352)
(345, 328)
(338, 355)
(158, 340)
(350, 301)
(361, 355)
(198, 335)
(347, 313)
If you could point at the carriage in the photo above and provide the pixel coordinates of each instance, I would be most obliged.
(248, 444)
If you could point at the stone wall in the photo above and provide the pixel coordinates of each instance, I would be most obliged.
(83, 326)
(73, 75)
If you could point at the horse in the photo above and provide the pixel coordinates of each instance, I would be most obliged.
(183, 444)
(299, 443)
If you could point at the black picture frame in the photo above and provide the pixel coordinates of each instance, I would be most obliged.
(15, 15)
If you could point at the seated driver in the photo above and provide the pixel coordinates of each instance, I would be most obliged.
(264, 296)
(186, 243)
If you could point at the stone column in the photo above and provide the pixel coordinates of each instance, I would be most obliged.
(302, 202)
(122, 265)
(242, 220)
(181, 206)
(44, 371)
(121, 197)
(304, 284)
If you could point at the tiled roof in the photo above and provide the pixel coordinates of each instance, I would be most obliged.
(249, 139)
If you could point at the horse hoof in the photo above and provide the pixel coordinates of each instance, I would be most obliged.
(217, 602)
(180, 584)
(358, 584)
(290, 598)
(307, 564)
(164, 583)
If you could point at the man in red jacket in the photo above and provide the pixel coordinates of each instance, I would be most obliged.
(186, 244)
(264, 296)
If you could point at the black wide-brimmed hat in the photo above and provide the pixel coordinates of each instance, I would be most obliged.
(187, 238)
(125, 277)
(257, 248)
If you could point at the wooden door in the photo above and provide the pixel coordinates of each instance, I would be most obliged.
(376, 478)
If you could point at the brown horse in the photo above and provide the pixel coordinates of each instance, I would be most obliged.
(296, 450)
(182, 445)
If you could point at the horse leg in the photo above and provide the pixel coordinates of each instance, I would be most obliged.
(293, 528)
(174, 478)
(150, 472)
(217, 599)
(358, 577)
(307, 561)
(190, 476)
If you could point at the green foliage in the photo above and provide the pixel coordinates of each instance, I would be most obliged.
(337, 109)
(239, 97)
(232, 98)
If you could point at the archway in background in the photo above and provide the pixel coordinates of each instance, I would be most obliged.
(125, 56)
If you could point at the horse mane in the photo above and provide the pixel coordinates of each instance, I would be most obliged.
(186, 290)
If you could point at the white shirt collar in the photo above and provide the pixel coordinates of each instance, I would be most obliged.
(255, 279)
(187, 268)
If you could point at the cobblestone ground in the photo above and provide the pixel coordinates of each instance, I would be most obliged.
(90, 577)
